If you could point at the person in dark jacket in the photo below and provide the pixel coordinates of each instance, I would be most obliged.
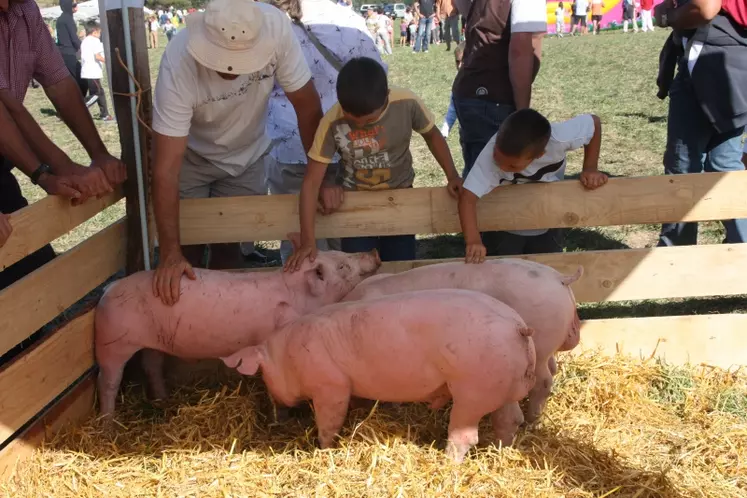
(69, 45)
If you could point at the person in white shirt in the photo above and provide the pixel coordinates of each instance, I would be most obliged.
(344, 36)
(528, 149)
(560, 20)
(153, 32)
(92, 71)
(580, 14)
(209, 109)
(382, 31)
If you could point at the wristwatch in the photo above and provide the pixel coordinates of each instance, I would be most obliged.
(43, 168)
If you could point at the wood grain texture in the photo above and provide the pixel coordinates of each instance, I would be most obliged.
(44, 221)
(653, 199)
(36, 299)
(41, 373)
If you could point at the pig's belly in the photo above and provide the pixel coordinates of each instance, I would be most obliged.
(399, 385)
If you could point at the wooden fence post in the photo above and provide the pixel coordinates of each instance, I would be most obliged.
(120, 83)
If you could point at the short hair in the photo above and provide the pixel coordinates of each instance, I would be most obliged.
(524, 131)
(362, 86)
(379, 10)
(91, 27)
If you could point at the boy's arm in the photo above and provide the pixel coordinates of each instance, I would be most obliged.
(475, 250)
(591, 177)
(440, 150)
(312, 181)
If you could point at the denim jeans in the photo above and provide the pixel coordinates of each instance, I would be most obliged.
(391, 247)
(451, 30)
(694, 146)
(424, 33)
(479, 120)
(512, 244)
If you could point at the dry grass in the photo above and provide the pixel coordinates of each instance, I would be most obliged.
(614, 427)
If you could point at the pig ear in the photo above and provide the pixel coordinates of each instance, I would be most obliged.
(315, 280)
(246, 361)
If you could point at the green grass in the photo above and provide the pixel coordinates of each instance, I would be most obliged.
(612, 75)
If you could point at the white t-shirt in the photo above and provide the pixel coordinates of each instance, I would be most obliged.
(225, 119)
(559, 14)
(154, 26)
(569, 135)
(581, 6)
(90, 68)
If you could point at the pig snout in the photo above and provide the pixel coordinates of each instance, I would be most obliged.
(368, 263)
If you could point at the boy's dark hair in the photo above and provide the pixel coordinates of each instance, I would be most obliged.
(560, 4)
(362, 87)
(91, 27)
(379, 11)
(523, 132)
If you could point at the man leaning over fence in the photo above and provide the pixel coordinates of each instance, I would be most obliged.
(28, 52)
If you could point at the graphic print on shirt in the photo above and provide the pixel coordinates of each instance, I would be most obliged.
(537, 176)
(256, 77)
(367, 166)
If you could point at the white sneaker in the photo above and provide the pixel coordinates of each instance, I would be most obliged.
(445, 130)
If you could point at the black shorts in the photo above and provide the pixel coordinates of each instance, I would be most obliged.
(578, 19)
(596, 18)
(629, 13)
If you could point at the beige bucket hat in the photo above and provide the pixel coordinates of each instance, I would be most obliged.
(229, 37)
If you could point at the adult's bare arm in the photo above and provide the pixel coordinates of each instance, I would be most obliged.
(694, 14)
(524, 55)
(308, 109)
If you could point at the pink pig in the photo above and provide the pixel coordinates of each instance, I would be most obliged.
(414, 347)
(537, 292)
(216, 315)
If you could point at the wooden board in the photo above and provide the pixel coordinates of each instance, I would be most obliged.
(716, 340)
(39, 297)
(46, 220)
(75, 406)
(653, 199)
(40, 374)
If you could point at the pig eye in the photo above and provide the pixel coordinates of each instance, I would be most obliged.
(341, 267)
(320, 273)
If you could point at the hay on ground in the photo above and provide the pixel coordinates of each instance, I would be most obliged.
(614, 427)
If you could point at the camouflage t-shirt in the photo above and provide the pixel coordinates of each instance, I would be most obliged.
(376, 156)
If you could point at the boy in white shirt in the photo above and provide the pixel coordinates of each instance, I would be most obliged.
(527, 149)
(92, 60)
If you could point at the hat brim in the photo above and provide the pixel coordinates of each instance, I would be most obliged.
(219, 58)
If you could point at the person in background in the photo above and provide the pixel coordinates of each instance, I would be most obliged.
(383, 24)
(528, 149)
(169, 30)
(408, 19)
(372, 24)
(24, 145)
(597, 11)
(68, 43)
(647, 22)
(560, 20)
(92, 71)
(348, 4)
(436, 31)
(403, 24)
(628, 15)
(5, 229)
(371, 128)
(413, 27)
(580, 13)
(426, 10)
(153, 32)
(344, 36)
(450, 16)
(451, 115)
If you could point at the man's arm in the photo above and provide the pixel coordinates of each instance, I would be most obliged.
(524, 55)
(440, 150)
(308, 109)
(694, 14)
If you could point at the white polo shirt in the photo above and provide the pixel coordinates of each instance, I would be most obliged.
(225, 119)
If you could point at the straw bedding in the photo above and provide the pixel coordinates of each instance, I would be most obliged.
(613, 427)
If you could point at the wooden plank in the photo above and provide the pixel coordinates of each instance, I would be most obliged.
(37, 298)
(44, 221)
(40, 374)
(716, 340)
(75, 406)
(120, 81)
(652, 199)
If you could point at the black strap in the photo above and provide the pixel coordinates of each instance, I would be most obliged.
(334, 61)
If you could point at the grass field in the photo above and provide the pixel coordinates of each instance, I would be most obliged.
(612, 75)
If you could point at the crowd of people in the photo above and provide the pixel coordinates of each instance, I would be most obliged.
(294, 98)
(585, 12)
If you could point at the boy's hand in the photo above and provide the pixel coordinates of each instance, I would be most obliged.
(592, 179)
(296, 260)
(330, 199)
(475, 253)
(455, 187)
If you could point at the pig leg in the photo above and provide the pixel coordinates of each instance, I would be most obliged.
(152, 362)
(110, 376)
(330, 408)
(540, 392)
(463, 422)
(552, 365)
(506, 421)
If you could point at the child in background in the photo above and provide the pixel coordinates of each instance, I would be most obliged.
(371, 127)
(92, 60)
(451, 115)
(383, 24)
(597, 11)
(153, 32)
(403, 32)
(560, 20)
(527, 149)
(169, 29)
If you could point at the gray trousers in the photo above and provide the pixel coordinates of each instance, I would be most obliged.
(284, 178)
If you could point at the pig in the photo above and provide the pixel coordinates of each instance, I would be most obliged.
(414, 347)
(537, 292)
(216, 315)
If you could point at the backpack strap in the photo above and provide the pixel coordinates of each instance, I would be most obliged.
(333, 61)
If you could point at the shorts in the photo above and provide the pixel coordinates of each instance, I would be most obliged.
(200, 179)
(578, 19)
(403, 33)
(596, 18)
(629, 13)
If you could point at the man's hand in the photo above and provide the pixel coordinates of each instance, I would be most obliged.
(5, 229)
(330, 199)
(455, 186)
(90, 182)
(592, 179)
(64, 186)
(296, 260)
(475, 253)
(168, 276)
(114, 169)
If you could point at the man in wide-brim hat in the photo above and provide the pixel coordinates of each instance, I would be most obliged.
(209, 112)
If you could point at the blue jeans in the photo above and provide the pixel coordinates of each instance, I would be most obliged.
(391, 247)
(694, 146)
(451, 115)
(479, 120)
(424, 34)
